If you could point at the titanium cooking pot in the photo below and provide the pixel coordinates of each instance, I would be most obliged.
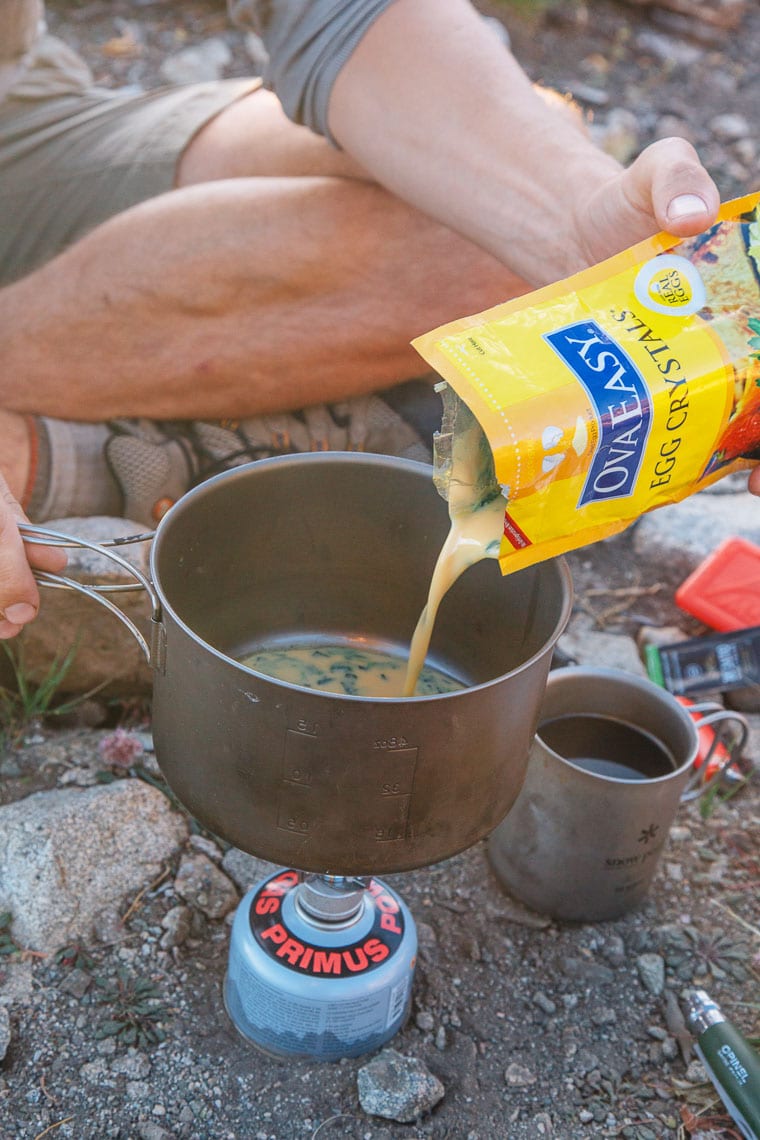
(317, 548)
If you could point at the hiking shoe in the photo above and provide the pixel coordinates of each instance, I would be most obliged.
(153, 465)
(365, 423)
(156, 462)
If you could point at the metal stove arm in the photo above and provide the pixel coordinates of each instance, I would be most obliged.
(41, 536)
(733, 741)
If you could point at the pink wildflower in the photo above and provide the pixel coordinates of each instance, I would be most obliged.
(120, 749)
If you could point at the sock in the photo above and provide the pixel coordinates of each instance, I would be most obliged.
(69, 477)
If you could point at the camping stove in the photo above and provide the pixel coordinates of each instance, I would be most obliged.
(320, 966)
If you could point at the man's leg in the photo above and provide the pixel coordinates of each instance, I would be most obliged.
(237, 298)
(254, 138)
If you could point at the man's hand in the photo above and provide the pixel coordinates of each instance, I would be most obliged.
(666, 188)
(19, 597)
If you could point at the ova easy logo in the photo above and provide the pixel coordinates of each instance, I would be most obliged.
(621, 401)
(670, 284)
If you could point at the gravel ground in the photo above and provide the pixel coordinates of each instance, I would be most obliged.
(535, 1028)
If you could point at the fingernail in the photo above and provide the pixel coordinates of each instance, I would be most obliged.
(686, 206)
(20, 613)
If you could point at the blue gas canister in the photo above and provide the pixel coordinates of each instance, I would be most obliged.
(320, 967)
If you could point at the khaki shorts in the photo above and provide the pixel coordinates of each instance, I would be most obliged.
(72, 159)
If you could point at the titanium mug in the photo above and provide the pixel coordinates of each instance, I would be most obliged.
(613, 757)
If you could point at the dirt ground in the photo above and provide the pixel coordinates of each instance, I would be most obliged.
(536, 1029)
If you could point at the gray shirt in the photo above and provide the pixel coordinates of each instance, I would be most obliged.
(308, 42)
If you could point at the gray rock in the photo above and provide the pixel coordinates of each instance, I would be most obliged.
(519, 1076)
(176, 923)
(589, 646)
(584, 970)
(586, 1062)
(614, 950)
(76, 983)
(586, 93)
(138, 1090)
(201, 883)
(427, 941)
(696, 1073)
(397, 1087)
(5, 1031)
(246, 870)
(544, 1002)
(676, 538)
(669, 50)
(108, 654)
(108, 927)
(651, 969)
(673, 126)
(134, 1065)
(152, 1131)
(660, 636)
(256, 51)
(202, 63)
(66, 855)
(619, 135)
(729, 127)
(745, 700)
(745, 150)
(94, 1072)
(205, 847)
(16, 983)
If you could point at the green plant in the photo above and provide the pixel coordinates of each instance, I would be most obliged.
(718, 794)
(711, 951)
(136, 1009)
(31, 698)
(7, 945)
(74, 957)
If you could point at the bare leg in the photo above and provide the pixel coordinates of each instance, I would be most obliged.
(14, 452)
(253, 138)
(286, 279)
(235, 298)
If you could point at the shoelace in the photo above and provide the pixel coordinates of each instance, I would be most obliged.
(319, 420)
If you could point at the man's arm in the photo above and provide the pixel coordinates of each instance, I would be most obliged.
(431, 103)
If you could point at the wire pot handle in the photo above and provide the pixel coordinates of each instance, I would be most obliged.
(42, 536)
(733, 741)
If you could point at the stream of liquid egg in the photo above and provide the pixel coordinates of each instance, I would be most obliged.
(476, 514)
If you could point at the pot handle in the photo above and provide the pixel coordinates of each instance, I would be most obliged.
(731, 731)
(41, 536)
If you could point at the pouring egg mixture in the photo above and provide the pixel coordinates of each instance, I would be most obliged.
(464, 475)
(625, 387)
(570, 412)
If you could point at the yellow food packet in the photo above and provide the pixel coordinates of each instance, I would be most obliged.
(625, 387)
